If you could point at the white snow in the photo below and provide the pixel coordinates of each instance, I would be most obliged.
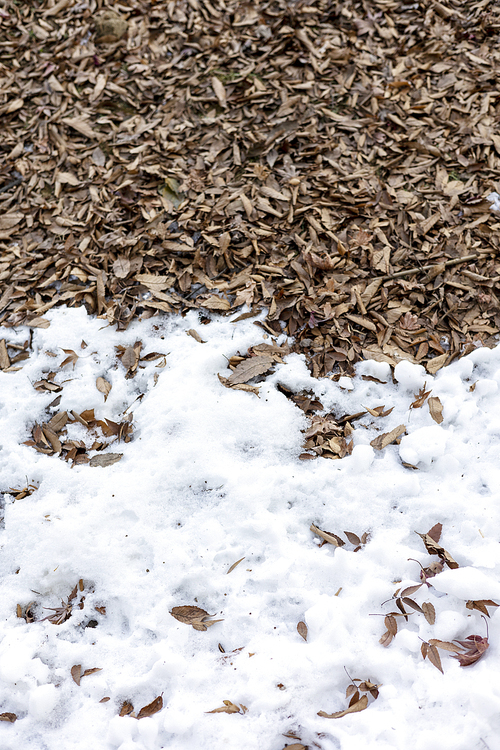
(212, 475)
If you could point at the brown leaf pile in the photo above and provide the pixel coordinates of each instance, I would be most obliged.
(328, 161)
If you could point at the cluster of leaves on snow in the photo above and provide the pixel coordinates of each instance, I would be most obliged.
(51, 436)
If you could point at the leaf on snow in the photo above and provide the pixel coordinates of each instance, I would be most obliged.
(76, 673)
(327, 536)
(302, 630)
(229, 708)
(105, 459)
(195, 335)
(436, 409)
(429, 612)
(435, 532)
(430, 650)
(233, 566)
(151, 708)
(382, 441)
(194, 616)
(433, 548)
(71, 359)
(481, 605)
(103, 387)
(355, 708)
(474, 648)
(126, 708)
(7, 716)
(250, 368)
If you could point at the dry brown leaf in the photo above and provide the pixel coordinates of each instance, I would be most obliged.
(7, 716)
(76, 673)
(229, 708)
(382, 441)
(355, 708)
(126, 708)
(436, 409)
(194, 616)
(4, 356)
(433, 548)
(195, 335)
(219, 90)
(481, 605)
(121, 268)
(104, 387)
(233, 566)
(250, 368)
(152, 708)
(302, 630)
(429, 612)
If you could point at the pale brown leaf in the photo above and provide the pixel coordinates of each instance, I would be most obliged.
(434, 658)
(382, 441)
(195, 335)
(229, 708)
(327, 536)
(76, 673)
(121, 268)
(7, 716)
(219, 90)
(105, 459)
(103, 386)
(355, 708)
(250, 368)
(4, 356)
(436, 409)
(302, 630)
(233, 566)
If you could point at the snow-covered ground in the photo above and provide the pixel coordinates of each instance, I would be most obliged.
(212, 475)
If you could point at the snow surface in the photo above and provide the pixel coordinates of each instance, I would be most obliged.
(212, 475)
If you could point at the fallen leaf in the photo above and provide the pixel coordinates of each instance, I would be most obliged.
(481, 605)
(219, 90)
(233, 566)
(435, 532)
(327, 536)
(420, 398)
(433, 548)
(382, 441)
(194, 616)
(353, 538)
(6, 716)
(302, 630)
(103, 386)
(4, 356)
(92, 670)
(250, 368)
(76, 673)
(475, 647)
(355, 708)
(429, 612)
(105, 459)
(126, 708)
(121, 268)
(196, 336)
(436, 409)
(229, 708)
(151, 708)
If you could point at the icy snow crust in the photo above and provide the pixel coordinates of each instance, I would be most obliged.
(213, 475)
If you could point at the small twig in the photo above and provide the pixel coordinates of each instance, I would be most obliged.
(408, 271)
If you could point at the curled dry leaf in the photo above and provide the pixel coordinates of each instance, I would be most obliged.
(7, 716)
(229, 708)
(302, 630)
(151, 708)
(474, 648)
(355, 708)
(104, 387)
(435, 549)
(327, 536)
(194, 616)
